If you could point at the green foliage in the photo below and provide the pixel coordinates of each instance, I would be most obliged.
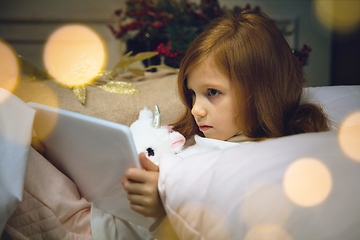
(175, 23)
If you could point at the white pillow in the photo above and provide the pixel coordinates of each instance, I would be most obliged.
(248, 192)
(338, 102)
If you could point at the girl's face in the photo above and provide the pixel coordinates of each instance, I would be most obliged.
(214, 101)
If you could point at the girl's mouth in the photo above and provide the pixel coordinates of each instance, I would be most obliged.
(204, 128)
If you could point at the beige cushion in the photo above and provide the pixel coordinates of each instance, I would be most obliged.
(113, 107)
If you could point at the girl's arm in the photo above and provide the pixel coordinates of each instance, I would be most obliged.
(142, 189)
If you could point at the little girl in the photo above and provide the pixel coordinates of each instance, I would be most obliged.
(239, 81)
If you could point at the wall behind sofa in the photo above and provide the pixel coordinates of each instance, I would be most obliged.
(26, 25)
(310, 31)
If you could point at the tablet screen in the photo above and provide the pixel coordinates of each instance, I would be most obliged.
(93, 153)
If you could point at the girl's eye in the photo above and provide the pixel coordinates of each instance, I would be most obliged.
(213, 92)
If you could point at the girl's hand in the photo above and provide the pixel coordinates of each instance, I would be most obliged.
(142, 189)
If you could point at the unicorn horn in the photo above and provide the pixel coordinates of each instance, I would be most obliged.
(157, 117)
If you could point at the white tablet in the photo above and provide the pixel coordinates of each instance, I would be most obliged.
(93, 153)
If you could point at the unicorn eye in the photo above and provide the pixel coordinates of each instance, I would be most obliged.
(150, 152)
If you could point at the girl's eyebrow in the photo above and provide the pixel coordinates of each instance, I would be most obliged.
(208, 84)
(217, 87)
(213, 85)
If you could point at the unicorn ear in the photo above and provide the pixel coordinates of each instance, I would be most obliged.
(145, 114)
(157, 117)
(177, 141)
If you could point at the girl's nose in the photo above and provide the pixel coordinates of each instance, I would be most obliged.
(198, 110)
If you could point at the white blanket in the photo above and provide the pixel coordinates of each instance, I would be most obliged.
(16, 120)
(243, 192)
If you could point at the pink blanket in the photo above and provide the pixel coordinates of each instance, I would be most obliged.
(51, 206)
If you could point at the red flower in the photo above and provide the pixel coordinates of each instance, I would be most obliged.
(139, 23)
(165, 50)
(158, 25)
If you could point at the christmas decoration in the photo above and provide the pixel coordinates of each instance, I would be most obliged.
(104, 79)
(119, 87)
(302, 55)
(168, 27)
(80, 94)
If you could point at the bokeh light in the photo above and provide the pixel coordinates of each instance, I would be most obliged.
(44, 123)
(267, 232)
(307, 182)
(349, 136)
(166, 231)
(9, 68)
(39, 91)
(74, 55)
(343, 16)
(207, 222)
(265, 203)
(36, 91)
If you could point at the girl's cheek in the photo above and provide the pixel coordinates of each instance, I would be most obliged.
(215, 99)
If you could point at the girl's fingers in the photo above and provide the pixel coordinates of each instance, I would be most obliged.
(133, 187)
(141, 188)
(145, 201)
(136, 199)
(147, 164)
(141, 176)
(134, 174)
(139, 209)
(147, 212)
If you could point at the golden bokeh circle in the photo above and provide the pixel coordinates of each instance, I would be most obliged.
(349, 136)
(166, 230)
(74, 55)
(268, 232)
(343, 16)
(9, 67)
(265, 203)
(307, 182)
(37, 91)
(200, 219)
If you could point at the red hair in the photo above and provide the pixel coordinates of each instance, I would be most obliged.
(250, 51)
